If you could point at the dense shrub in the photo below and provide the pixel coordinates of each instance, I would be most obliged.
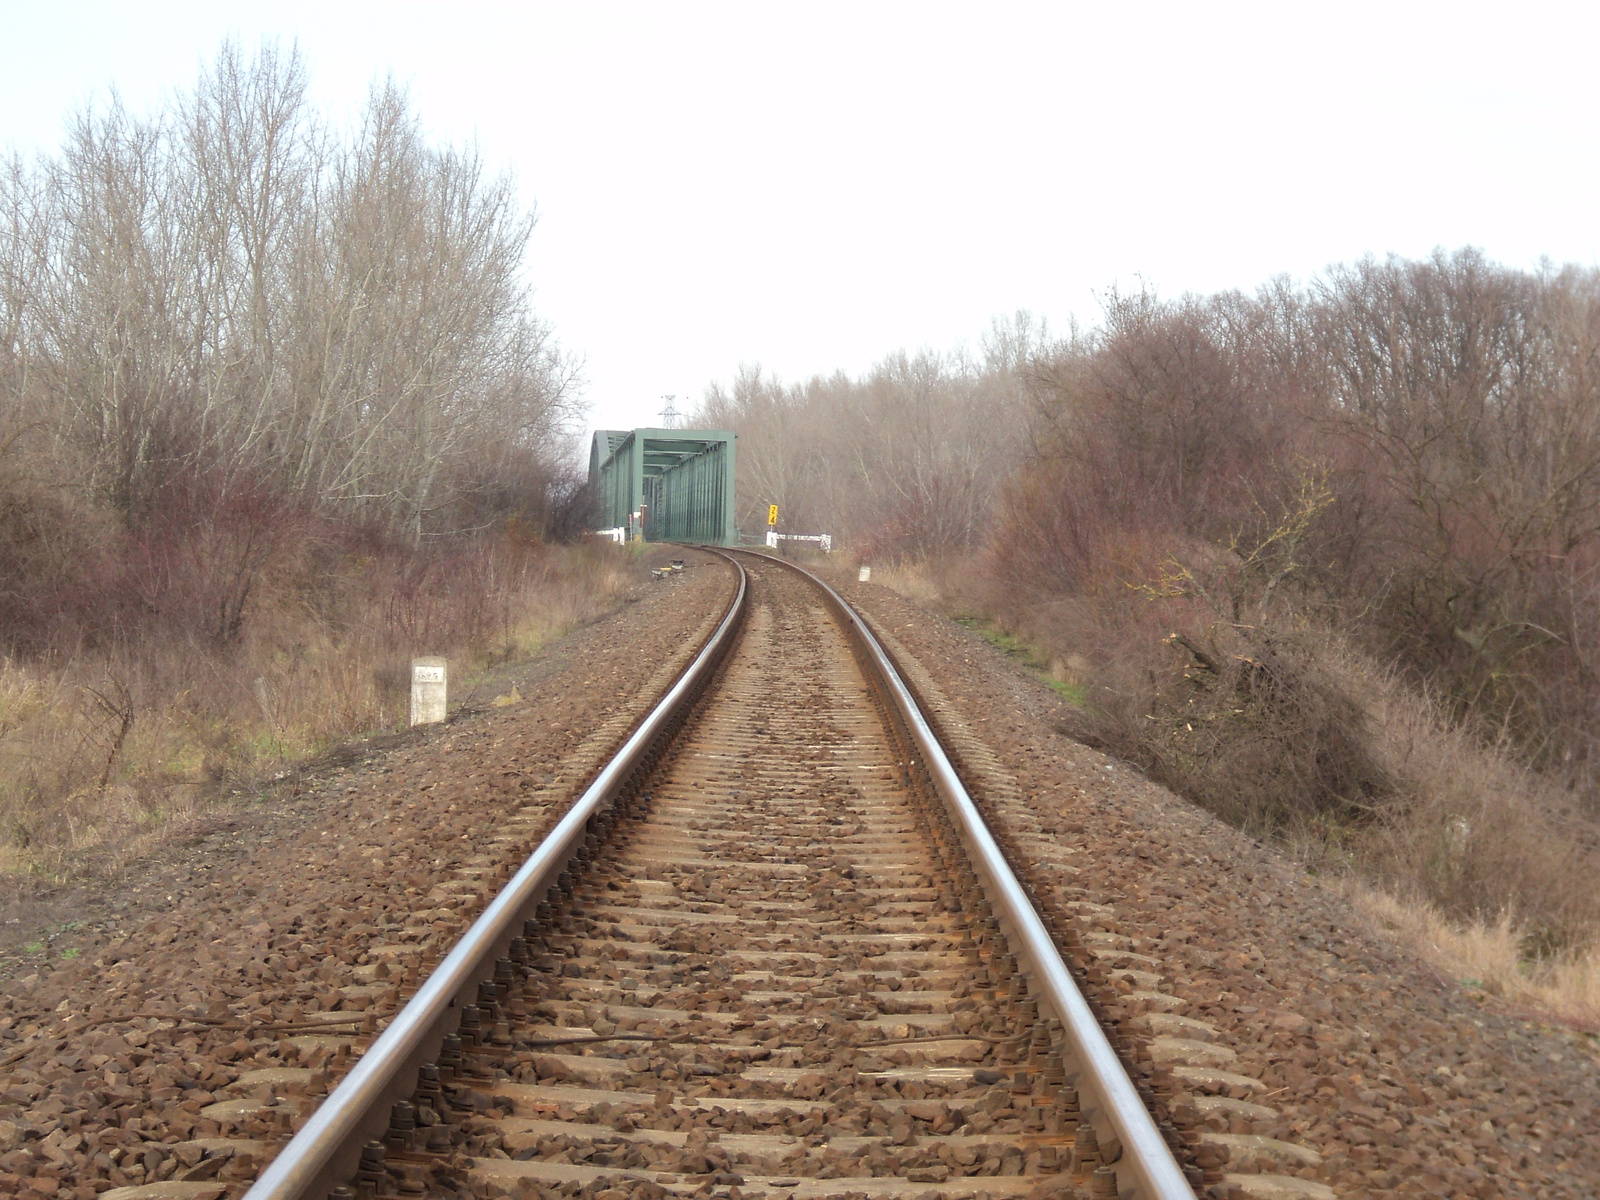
(1265, 519)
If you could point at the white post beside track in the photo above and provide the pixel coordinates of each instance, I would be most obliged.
(430, 688)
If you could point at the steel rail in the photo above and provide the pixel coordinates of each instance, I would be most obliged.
(327, 1148)
(1145, 1153)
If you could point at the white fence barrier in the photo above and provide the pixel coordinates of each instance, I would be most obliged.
(825, 540)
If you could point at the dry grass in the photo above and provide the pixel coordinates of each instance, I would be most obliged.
(1294, 734)
(1482, 865)
(1478, 865)
(913, 580)
(1466, 826)
(112, 747)
(953, 584)
(1490, 955)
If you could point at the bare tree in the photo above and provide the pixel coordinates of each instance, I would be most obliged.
(229, 288)
(907, 458)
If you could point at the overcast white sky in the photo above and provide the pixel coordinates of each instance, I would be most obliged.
(811, 186)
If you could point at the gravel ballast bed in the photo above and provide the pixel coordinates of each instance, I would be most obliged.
(188, 1025)
(1402, 1081)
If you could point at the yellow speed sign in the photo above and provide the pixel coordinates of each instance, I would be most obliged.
(772, 514)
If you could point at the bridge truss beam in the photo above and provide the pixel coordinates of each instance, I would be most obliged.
(666, 485)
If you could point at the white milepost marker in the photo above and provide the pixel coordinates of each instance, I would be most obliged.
(429, 689)
(864, 575)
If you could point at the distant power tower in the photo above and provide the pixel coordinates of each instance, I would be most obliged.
(669, 413)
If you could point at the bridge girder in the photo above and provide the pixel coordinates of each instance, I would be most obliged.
(680, 480)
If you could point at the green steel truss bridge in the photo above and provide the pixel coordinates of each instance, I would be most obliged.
(665, 485)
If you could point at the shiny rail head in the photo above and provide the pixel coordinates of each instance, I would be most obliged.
(1146, 1165)
(325, 1152)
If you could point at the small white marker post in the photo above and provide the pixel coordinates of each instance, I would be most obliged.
(429, 690)
(864, 575)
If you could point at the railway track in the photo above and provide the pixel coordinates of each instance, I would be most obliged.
(771, 950)
(173, 1051)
